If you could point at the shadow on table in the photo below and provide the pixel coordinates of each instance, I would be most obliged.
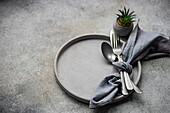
(107, 108)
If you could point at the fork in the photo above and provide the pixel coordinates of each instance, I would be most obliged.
(126, 76)
(117, 50)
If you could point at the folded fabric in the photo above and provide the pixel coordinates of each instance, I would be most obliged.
(141, 45)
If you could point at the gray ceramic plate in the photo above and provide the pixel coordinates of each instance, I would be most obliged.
(79, 67)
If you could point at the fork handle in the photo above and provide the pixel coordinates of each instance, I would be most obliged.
(124, 90)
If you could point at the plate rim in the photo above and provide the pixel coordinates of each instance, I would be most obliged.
(76, 40)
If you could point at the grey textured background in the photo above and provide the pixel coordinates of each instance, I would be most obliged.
(31, 32)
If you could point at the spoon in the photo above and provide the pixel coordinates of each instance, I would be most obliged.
(108, 53)
(111, 57)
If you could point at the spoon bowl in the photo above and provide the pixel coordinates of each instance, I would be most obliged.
(108, 52)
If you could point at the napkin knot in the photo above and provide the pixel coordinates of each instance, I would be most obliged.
(123, 66)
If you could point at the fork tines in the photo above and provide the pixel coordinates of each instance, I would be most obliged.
(116, 41)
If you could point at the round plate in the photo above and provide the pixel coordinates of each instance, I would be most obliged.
(79, 67)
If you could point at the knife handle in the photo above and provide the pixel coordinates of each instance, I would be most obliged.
(127, 81)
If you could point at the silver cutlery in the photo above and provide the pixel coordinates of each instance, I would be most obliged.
(117, 49)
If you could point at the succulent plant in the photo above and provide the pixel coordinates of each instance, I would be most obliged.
(126, 17)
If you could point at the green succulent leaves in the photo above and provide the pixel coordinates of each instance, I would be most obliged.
(126, 17)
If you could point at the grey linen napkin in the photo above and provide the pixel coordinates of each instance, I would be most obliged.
(141, 45)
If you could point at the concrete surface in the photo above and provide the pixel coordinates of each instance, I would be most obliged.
(31, 32)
